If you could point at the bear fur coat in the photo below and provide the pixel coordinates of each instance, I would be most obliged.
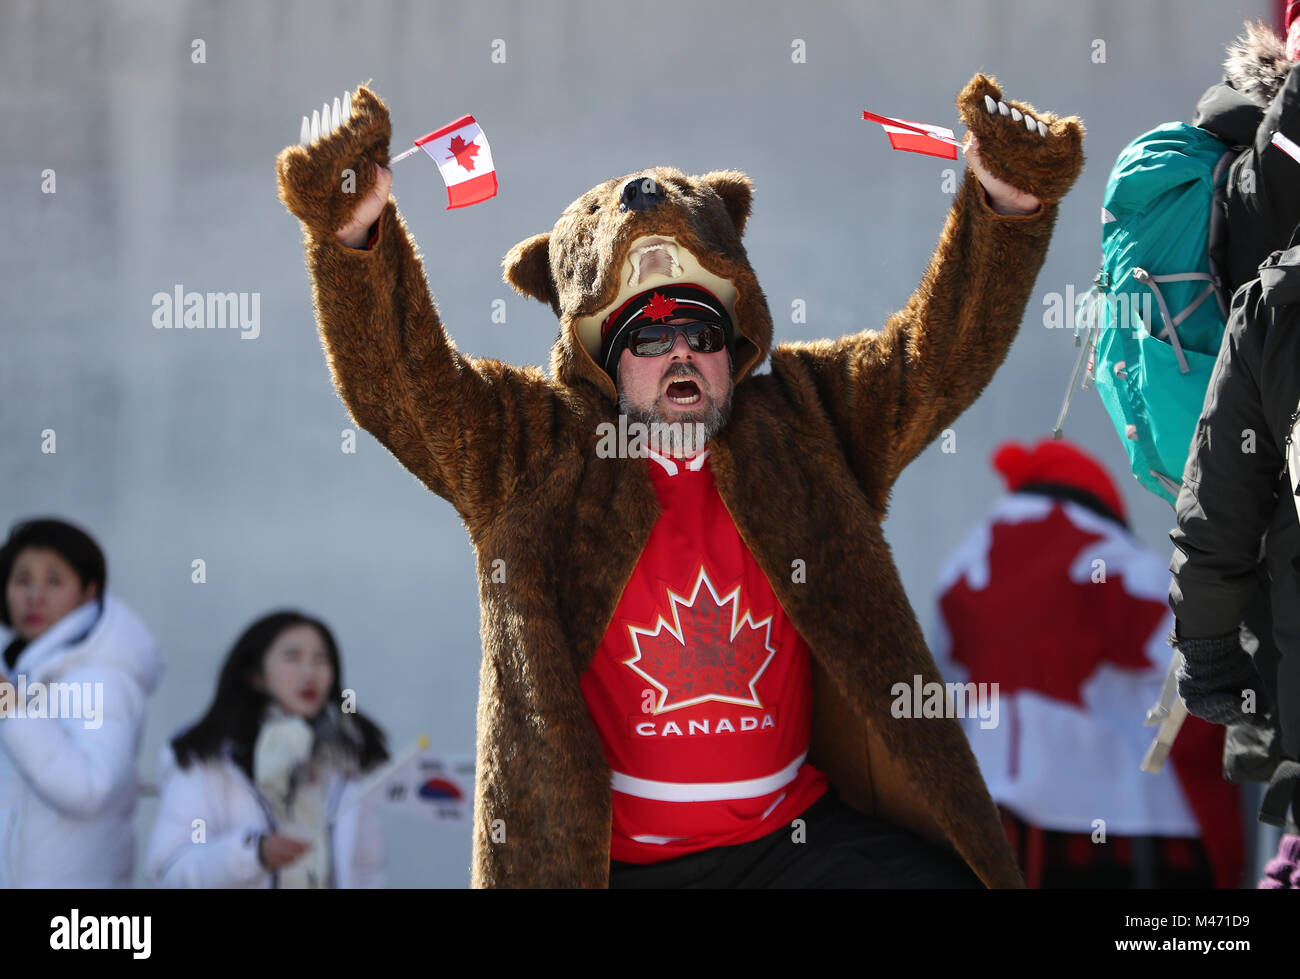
(513, 449)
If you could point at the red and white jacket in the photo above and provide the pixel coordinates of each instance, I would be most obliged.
(1068, 614)
(701, 689)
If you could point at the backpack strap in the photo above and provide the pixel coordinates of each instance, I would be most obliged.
(1171, 322)
(1217, 240)
(1170, 486)
(1088, 312)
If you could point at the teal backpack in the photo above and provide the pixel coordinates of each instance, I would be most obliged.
(1155, 315)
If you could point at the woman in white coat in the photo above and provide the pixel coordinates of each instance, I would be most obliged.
(76, 670)
(264, 790)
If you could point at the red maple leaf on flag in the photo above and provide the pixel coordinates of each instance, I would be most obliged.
(463, 151)
(709, 651)
(660, 307)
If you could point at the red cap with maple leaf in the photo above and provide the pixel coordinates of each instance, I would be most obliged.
(1056, 462)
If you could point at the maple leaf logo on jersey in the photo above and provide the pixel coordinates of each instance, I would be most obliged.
(463, 152)
(709, 651)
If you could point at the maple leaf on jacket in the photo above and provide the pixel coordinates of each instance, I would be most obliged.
(709, 651)
(1032, 627)
(464, 152)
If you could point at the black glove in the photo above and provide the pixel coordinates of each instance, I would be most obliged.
(1213, 677)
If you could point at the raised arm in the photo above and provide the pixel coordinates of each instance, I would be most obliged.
(889, 393)
(468, 428)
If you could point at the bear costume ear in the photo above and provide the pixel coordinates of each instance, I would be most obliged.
(528, 268)
(736, 191)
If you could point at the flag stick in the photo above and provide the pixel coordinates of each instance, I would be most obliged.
(1164, 740)
(402, 156)
(1168, 693)
(886, 121)
(1169, 713)
(382, 775)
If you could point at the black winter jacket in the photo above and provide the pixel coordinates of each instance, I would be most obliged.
(1262, 198)
(1236, 491)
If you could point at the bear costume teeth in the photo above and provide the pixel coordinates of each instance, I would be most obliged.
(639, 255)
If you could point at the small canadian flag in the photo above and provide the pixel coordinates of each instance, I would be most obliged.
(464, 159)
(917, 137)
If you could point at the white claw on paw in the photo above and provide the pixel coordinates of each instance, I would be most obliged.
(315, 125)
(304, 136)
(1015, 114)
(990, 104)
(1002, 107)
(335, 109)
(1042, 129)
(347, 106)
(1029, 124)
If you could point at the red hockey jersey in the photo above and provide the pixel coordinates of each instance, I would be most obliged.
(701, 689)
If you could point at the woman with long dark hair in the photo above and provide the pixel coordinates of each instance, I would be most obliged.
(264, 790)
(76, 670)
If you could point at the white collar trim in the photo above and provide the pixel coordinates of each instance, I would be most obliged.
(694, 464)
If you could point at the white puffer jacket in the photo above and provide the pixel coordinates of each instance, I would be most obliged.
(211, 816)
(68, 785)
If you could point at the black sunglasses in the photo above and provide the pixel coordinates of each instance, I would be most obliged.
(659, 338)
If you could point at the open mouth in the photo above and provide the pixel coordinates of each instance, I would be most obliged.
(684, 392)
(658, 256)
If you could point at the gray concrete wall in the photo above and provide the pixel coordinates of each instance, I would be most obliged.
(177, 444)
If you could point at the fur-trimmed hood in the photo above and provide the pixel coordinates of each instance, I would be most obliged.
(1257, 64)
(1255, 70)
(593, 260)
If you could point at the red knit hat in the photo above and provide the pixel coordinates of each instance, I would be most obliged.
(1060, 463)
(1292, 21)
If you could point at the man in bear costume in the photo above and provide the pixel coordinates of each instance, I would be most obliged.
(764, 607)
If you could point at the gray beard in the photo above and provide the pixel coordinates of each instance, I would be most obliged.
(682, 440)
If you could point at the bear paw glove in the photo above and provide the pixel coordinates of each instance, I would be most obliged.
(333, 167)
(1037, 152)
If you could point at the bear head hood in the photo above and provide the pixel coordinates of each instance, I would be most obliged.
(629, 235)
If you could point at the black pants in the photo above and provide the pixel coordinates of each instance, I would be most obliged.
(842, 848)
